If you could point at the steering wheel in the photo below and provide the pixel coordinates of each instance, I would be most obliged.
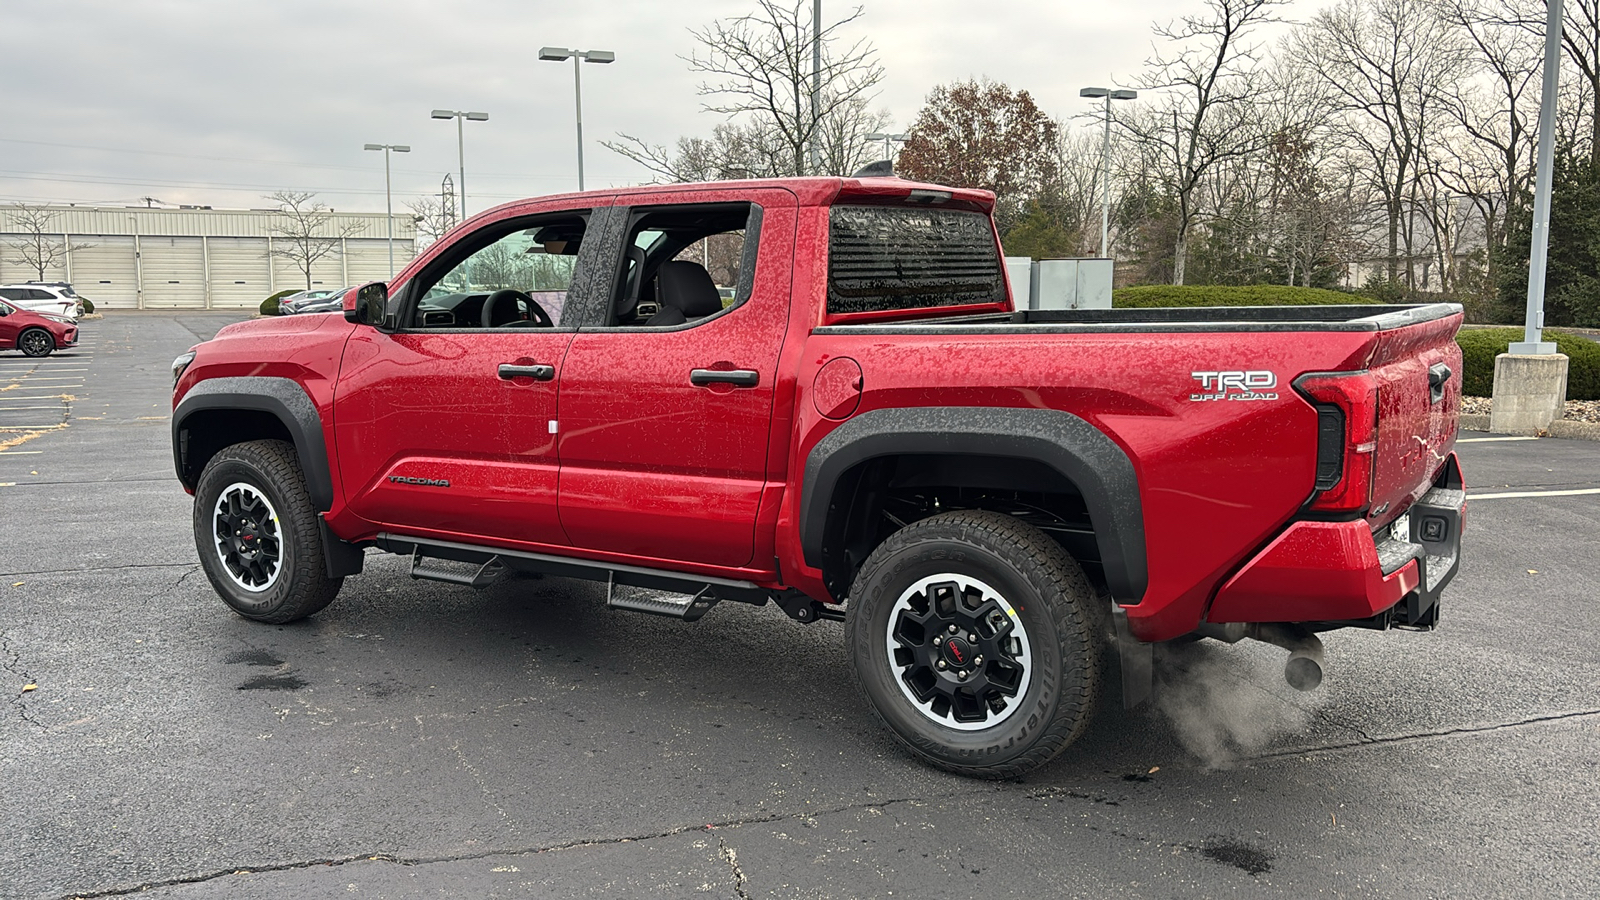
(499, 300)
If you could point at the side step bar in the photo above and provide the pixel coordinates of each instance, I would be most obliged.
(688, 611)
(490, 563)
(485, 575)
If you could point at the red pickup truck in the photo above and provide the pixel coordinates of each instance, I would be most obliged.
(817, 392)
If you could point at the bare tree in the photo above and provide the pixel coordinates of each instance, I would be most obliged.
(304, 231)
(758, 74)
(1390, 65)
(432, 219)
(38, 248)
(1206, 85)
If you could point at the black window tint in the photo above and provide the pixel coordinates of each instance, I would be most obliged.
(11, 293)
(890, 258)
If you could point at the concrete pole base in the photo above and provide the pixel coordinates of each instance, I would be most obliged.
(1529, 392)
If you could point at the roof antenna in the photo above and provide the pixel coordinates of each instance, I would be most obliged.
(883, 168)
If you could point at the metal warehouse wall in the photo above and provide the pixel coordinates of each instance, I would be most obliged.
(196, 258)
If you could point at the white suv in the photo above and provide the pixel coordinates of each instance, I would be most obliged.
(56, 299)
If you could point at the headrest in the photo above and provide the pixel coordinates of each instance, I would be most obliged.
(688, 287)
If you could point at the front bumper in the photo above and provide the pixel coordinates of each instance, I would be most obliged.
(1331, 572)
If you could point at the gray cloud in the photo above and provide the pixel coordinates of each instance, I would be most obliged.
(221, 102)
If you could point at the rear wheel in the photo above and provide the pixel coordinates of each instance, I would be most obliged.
(256, 531)
(973, 637)
(36, 342)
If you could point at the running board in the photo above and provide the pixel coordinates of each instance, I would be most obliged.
(481, 577)
(689, 611)
(490, 561)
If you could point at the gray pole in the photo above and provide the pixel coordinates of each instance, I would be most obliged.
(461, 161)
(1105, 186)
(577, 87)
(388, 206)
(1540, 250)
(816, 83)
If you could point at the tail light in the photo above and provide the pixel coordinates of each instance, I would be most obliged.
(1347, 438)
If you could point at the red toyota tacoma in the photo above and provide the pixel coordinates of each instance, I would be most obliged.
(816, 392)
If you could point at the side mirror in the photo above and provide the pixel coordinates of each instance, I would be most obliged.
(367, 304)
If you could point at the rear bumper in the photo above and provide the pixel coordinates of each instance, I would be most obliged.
(1337, 572)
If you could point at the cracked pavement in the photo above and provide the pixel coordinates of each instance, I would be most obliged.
(419, 740)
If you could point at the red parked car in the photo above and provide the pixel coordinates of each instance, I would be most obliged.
(816, 392)
(35, 333)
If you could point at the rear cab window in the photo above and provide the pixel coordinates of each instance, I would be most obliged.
(903, 262)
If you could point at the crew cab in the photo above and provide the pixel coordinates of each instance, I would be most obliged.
(816, 392)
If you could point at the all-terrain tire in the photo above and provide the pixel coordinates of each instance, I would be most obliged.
(282, 576)
(1016, 572)
(36, 342)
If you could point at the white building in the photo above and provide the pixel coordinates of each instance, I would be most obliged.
(196, 257)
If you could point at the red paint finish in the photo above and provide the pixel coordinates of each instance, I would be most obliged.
(836, 391)
(432, 406)
(645, 467)
(657, 467)
(1314, 571)
(14, 320)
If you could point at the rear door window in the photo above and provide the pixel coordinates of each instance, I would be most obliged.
(889, 258)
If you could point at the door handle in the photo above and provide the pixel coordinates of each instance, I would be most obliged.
(737, 377)
(537, 373)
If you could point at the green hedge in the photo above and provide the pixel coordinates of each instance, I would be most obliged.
(1147, 295)
(88, 306)
(1479, 347)
(269, 306)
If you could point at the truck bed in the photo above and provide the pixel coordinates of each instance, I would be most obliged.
(1169, 319)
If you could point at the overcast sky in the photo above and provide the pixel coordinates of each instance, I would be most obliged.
(218, 102)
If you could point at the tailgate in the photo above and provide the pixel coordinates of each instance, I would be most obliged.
(1417, 368)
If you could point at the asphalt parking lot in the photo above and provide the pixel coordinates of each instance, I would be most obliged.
(422, 740)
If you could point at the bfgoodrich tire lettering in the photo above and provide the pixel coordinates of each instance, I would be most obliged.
(254, 494)
(993, 562)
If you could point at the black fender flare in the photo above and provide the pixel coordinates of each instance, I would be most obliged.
(1080, 452)
(284, 399)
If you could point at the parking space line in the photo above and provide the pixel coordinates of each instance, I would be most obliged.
(1487, 440)
(20, 452)
(21, 408)
(1513, 494)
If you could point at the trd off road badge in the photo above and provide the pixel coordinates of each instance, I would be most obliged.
(1256, 385)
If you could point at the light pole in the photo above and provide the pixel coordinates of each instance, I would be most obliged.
(461, 148)
(816, 83)
(388, 195)
(557, 54)
(1533, 342)
(1105, 163)
(886, 138)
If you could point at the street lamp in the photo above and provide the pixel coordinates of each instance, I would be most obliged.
(388, 196)
(461, 151)
(557, 54)
(886, 138)
(1105, 162)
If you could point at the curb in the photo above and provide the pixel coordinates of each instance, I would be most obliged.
(1570, 429)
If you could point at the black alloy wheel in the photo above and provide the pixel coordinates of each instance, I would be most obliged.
(36, 342)
(975, 638)
(257, 534)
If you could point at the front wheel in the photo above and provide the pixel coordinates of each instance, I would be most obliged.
(973, 637)
(256, 531)
(36, 342)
